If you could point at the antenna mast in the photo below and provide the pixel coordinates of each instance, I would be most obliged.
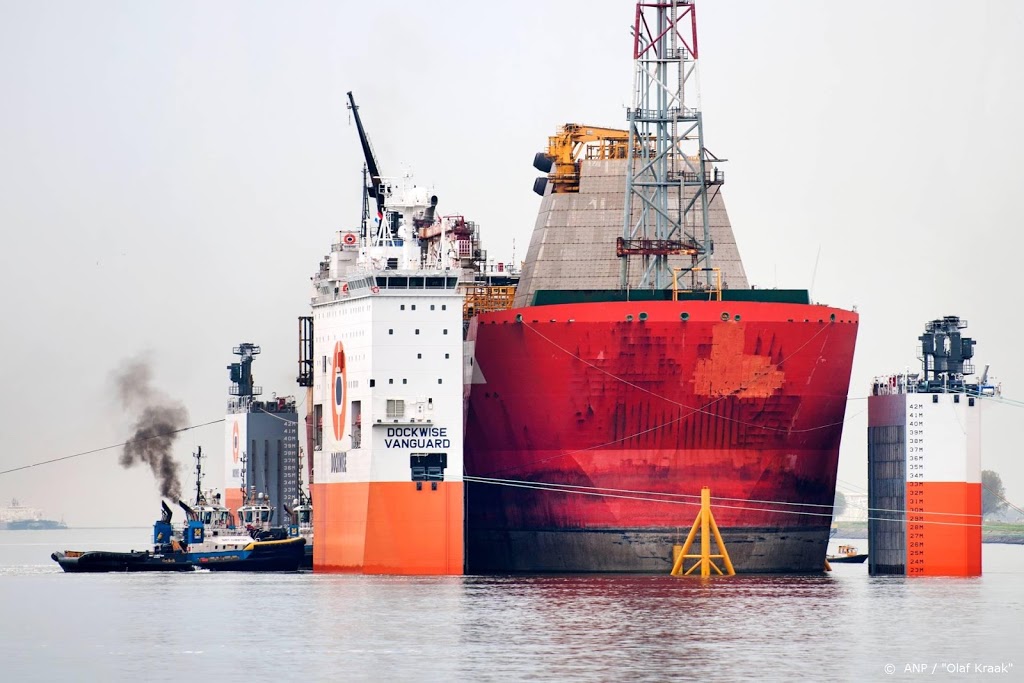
(667, 181)
(242, 384)
(198, 455)
(245, 494)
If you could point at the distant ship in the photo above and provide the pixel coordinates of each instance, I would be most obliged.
(17, 517)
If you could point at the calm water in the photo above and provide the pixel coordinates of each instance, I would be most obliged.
(238, 627)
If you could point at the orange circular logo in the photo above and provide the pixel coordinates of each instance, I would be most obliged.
(339, 400)
(234, 442)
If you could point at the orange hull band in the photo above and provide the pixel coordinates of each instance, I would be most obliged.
(943, 544)
(388, 528)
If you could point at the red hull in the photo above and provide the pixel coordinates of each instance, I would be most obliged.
(654, 407)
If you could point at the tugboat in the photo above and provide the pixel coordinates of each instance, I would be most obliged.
(301, 514)
(194, 549)
(167, 555)
(256, 516)
(236, 551)
(848, 554)
(208, 540)
(216, 543)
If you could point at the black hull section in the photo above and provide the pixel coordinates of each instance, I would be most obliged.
(752, 551)
(275, 556)
(855, 559)
(307, 560)
(100, 561)
(272, 556)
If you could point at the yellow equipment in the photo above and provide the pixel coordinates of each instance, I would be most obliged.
(485, 298)
(705, 522)
(562, 160)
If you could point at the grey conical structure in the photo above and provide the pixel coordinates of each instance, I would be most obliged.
(573, 241)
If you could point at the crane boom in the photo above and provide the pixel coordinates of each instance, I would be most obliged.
(371, 158)
(565, 149)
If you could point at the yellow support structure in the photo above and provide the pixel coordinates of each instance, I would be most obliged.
(485, 298)
(714, 293)
(706, 523)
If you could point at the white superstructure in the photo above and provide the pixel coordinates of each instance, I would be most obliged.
(387, 390)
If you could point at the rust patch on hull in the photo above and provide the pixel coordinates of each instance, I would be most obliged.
(730, 372)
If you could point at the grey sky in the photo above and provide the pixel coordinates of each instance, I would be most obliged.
(172, 173)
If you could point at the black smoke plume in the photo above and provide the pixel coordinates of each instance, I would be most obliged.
(158, 420)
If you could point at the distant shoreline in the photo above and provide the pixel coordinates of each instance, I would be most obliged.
(1012, 534)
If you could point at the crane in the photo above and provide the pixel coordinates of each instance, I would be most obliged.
(565, 148)
(374, 190)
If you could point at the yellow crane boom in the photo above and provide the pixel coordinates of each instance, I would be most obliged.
(562, 160)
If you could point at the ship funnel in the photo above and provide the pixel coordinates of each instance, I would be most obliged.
(190, 514)
(162, 530)
(428, 215)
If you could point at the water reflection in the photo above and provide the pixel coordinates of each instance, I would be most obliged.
(652, 627)
(843, 626)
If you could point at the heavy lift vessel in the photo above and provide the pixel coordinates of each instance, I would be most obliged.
(635, 367)
(638, 367)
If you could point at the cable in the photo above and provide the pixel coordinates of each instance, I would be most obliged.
(282, 419)
(997, 495)
(118, 445)
(656, 493)
(558, 488)
(569, 488)
(107, 448)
